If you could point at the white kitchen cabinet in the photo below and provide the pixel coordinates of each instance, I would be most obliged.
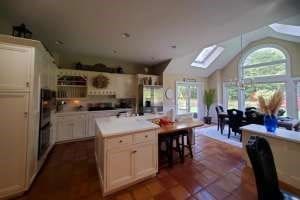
(13, 142)
(22, 62)
(126, 85)
(71, 127)
(16, 63)
(119, 167)
(125, 159)
(145, 160)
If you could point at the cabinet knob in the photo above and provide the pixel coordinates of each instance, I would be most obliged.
(146, 136)
(134, 151)
(120, 141)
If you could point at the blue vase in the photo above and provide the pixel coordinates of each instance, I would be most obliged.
(270, 123)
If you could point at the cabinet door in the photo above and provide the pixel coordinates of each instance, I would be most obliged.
(13, 142)
(126, 86)
(119, 168)
(65, 129)
(15, 65)
(145, 160)
(80, 127)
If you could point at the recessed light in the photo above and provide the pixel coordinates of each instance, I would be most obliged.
(173, 46)
(125, 35)
(59, 42)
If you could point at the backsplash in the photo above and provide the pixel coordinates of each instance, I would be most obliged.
(83, 104)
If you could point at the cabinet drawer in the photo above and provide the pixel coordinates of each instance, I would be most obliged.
(119, 141)
(144, 137)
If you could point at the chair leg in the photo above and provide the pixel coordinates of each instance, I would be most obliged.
(229, 134)
(241, 137)
(178, 149)
(189, 145)
(182, 147)
(218, 124)
(170, 151)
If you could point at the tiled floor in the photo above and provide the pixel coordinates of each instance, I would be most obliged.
(216, 172)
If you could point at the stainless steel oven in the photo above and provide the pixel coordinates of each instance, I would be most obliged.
(47, 104)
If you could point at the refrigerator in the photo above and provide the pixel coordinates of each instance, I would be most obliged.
(150, 99)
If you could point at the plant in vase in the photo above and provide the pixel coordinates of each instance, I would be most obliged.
(270, 107)
(208, 100)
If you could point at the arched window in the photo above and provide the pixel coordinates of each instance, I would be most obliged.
(264, 61)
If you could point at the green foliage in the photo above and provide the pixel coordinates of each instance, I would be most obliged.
(208, 99)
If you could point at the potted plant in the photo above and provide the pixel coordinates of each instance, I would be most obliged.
(270, 107)
(208, 100)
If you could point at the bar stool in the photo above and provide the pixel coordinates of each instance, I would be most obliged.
(185, 133)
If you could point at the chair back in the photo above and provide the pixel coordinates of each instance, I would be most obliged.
(254, 117)
(221, 108)
(235, 119)
(217, 110)
(262, 161)
(250, 108)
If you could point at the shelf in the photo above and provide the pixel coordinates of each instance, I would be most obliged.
(77, 86)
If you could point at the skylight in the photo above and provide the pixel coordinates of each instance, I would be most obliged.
(207, 56)
(286, 29)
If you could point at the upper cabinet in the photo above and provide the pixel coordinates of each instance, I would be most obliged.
(126, 86)
(15, 65)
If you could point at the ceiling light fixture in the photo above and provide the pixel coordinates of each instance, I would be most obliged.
(173, 46)
(125, 35)
(114, 51)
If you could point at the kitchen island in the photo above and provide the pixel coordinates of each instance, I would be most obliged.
(126, 151)
(285, 145)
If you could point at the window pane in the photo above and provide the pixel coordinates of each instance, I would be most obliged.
(264, 89)
(193, 99)
(269, 70)
(264, 55)
(182, 99)
(232, 97)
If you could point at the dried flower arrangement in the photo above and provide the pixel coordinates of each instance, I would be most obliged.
(271, 106)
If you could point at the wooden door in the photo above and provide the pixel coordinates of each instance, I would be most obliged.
(15, 65)
(13, 142)
(145, 160)
(119, 168)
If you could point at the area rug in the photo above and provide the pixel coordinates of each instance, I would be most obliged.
(212, 132)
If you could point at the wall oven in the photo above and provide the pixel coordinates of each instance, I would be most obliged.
(47, 104)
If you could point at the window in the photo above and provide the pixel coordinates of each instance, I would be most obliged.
(187, 95)
(286, 29)
(298, 98)
(265, 89)
(265, 61)
(231, 96)
(207, 56)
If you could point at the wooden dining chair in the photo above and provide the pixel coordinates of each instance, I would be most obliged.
(236, 120)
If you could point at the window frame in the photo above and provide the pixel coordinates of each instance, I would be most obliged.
(199, 86)
(275, 78)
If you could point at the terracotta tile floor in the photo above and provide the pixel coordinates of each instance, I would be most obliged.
(216, 172)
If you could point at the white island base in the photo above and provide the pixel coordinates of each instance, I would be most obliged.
(126, 152)
(285, 147)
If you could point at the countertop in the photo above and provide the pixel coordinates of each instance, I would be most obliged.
(86, 111)
(119, 126)
(283, 134)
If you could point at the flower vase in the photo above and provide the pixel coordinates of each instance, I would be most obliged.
(270, 123)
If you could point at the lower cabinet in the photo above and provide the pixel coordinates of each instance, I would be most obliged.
(70, 127)
(127, 159)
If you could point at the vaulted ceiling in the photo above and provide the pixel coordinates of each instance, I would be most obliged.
(95, 27)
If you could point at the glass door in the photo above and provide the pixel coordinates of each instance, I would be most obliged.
(187, 98)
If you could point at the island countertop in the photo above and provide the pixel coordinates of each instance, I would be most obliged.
(283, 134)
(112, 126)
